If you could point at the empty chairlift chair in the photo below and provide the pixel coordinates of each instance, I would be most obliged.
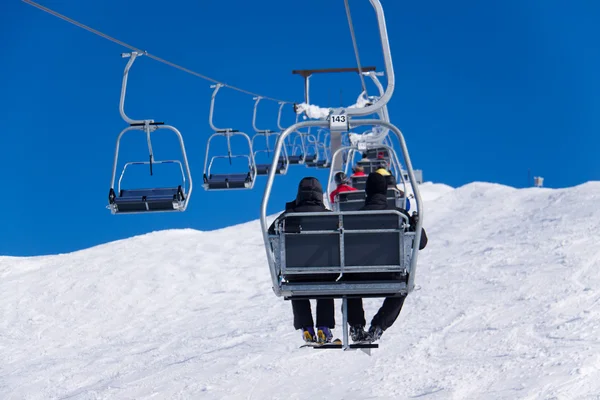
(142, 200)
(229, 180)
(265, 134)
(319, 158)
(311, 155)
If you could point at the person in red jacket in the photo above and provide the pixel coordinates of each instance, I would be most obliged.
(342, 182)
(358, 170)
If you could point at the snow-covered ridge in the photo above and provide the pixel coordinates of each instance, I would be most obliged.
(506, 308)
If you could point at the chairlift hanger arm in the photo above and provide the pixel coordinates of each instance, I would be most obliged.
(212, 110)
(281, 105)
(133, 122)
(383, 112)
(389, 68)
(265, 131)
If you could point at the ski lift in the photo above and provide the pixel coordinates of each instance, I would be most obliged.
(263, 169)
(173, 198)
(229, 181)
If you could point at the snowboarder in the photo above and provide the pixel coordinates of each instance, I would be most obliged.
(376, 190)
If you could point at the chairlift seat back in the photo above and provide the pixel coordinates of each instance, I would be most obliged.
(359, 182)
(355, 200)
(318, 163)
(228, 181)
(378, 153)
(263, 169)
(310, 248)
(144, 200)
(296, 159)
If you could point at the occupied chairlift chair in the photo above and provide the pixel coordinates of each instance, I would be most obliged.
(129, 201)
(351, 201)
(326, 255)
(375, 157)
(230, 181)
(311, 255)
(263, 169)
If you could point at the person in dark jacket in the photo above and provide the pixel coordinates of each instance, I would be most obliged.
(376, 189)
(391, 180)
(310, 199)
(383, 170)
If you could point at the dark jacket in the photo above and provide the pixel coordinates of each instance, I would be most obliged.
(308, 199)
(376, 191)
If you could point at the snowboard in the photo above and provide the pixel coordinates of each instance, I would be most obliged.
(335, 344)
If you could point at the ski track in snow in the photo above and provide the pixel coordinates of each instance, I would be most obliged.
(506, 307)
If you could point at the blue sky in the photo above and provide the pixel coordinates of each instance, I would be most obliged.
(486, 91)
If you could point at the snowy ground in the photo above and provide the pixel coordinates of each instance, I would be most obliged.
(507, 307)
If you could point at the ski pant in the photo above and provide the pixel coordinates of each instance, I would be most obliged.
(385, 317)
(303, 314)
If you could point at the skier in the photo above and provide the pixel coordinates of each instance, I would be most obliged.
(310, 199)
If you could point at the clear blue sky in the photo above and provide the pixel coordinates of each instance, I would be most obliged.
(485, 92)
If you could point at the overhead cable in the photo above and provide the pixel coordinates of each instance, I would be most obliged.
(133, 48)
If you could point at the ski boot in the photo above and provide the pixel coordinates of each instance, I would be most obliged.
(375, 333)
(308, 334)
(324, 335)
(358, 333)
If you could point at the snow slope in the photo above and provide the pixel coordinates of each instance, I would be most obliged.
(507, 307)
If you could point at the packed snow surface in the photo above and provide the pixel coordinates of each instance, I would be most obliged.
(507, 307)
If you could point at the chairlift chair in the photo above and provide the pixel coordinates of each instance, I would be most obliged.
(342, 254)
(143, 200)
(313, 255)
(323, 159)
(314, 158)
(227, 181)
(354, 200)
(296, 148)
(263, 168)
